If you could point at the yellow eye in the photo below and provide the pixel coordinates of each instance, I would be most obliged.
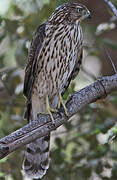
(79, 10)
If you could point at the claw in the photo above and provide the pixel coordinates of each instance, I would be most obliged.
(49, 109)
(61, 102)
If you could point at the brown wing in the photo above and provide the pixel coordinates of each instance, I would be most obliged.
(75, 70)
(32, 60)
(30, 70)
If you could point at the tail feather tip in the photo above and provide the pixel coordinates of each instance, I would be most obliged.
(34, 173)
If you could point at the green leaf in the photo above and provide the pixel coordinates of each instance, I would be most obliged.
(2, 174)
(115, 130)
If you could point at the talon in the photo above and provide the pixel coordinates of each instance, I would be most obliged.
(59, 112)
(38, 115)
(50, 110)
(61, 102)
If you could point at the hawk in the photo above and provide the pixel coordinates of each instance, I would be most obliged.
(54, 60)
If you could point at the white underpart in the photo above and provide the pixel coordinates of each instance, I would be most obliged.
(56, 49)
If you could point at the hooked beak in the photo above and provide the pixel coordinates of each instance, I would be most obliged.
(89, 15)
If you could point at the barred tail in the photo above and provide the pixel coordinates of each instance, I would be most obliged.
(36, 160)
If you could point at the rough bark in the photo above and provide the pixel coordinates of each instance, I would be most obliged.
(43, 125)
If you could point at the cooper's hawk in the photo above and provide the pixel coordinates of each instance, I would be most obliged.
(54, 60)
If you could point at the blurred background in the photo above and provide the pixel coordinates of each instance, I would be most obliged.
(82, 149)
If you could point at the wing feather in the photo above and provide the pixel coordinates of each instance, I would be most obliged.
(30, 70)
(36, 45)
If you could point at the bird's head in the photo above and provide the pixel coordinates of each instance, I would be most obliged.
(69, 13)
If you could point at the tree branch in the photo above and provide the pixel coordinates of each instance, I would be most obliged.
(111, 6)
(42, 126)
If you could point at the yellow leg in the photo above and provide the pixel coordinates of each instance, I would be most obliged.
(60, 101)
(49, 109)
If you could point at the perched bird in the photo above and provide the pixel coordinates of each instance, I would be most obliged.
(54, 60)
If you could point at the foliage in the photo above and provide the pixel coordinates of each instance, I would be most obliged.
(85, 147)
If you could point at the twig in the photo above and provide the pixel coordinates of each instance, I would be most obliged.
(111, 6)
(108, 54)
(42, 126)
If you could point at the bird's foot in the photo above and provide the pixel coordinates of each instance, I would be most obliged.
(49, 109)
(61, 102)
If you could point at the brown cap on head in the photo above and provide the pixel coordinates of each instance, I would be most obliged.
(69, 13)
